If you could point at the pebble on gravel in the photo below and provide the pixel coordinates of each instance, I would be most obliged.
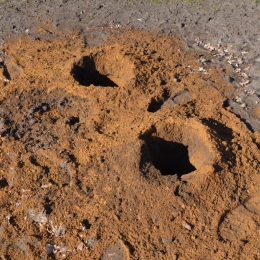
(187, 226)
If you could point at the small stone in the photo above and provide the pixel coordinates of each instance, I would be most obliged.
(91, 241)
(12, 67)
(80, 246)
(201, 69)
(187, 226)
(240, 61)
(49, 249)
(244, 75)
(2, 125)
(39, 217)
(118, 251)
(253, 205)
(179, 98)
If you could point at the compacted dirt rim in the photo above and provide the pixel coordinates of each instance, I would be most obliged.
(126, 150)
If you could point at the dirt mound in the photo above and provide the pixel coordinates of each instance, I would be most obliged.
(126, 150)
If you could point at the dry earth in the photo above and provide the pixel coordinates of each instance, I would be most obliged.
(228, 29)
(121, 144)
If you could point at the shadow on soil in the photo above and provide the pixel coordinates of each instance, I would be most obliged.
(168, 157)
(87, 74)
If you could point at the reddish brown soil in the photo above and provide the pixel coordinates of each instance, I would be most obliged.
(123, 151)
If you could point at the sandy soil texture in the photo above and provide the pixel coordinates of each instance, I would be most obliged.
(123, 151)
(129, 131)
(227, 29)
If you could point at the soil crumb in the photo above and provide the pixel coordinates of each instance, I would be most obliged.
(124, 150)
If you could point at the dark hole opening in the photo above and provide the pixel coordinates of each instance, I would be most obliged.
(48, 205)
(72, 120)
(3, 183)
(87, 74)
(86, 224)
(156, 103)
(168, 157)
(34, 161)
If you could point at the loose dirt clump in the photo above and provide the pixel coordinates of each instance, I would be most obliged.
(126, 150)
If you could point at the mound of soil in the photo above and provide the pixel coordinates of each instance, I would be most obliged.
(126, 150)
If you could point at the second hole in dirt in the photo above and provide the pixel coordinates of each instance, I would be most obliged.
(168, 157)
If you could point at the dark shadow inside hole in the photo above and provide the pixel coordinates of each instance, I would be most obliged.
(48, 205)
(3, 183)
(86, 224)
(34, 161)
(157, 102)
(87, 74)
(155, 105)
(168, 157)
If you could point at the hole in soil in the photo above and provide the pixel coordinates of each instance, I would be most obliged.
(72, 120)
(86, 224)
(86, 74)
(168, 157)
(107, 68)
(157, 102)
(47, 206)
(176, 149)
(3, 183)
(155, 105)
